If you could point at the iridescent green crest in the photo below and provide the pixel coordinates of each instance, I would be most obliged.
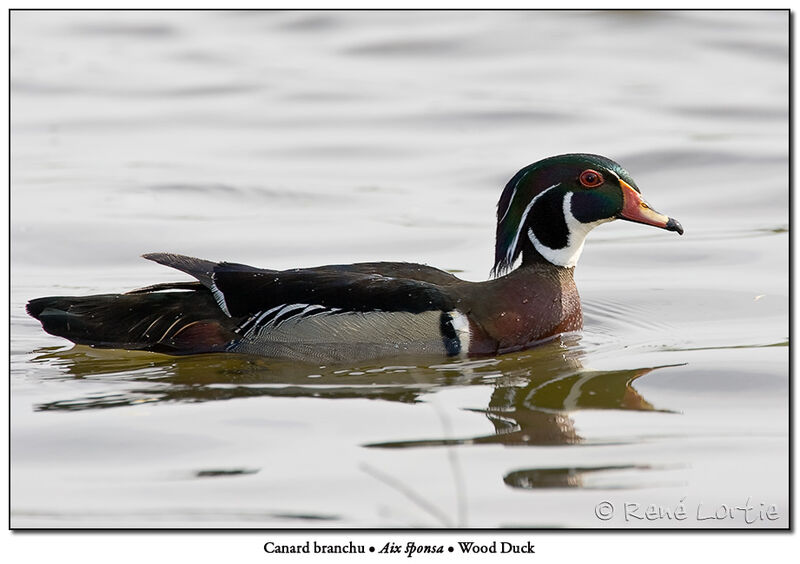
(549, 179)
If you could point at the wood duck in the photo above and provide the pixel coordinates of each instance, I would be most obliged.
(379, 309)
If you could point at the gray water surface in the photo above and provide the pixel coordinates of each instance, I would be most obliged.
(285, 139)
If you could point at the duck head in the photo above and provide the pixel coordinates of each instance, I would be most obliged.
(548, 208)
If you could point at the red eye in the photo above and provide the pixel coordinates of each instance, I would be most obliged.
(591, 178)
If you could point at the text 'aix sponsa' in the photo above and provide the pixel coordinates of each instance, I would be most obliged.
(369, 310)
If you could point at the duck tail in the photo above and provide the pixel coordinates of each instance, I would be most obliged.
(173, 322)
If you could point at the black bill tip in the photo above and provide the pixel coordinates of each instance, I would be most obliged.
(674, 225)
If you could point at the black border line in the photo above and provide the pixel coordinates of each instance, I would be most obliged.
(408, 531)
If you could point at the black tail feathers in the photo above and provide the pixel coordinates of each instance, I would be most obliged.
(174, 322)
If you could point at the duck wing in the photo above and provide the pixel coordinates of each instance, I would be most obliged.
(242, 289)
(333, 312)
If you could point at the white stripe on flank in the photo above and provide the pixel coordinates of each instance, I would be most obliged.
(312, 307)
(460, 323)
(297, 310)
(291, 307)
(266, 313)
(513, 245)
(286, 308)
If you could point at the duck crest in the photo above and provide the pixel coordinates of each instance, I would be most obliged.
(518, 197)
(536, 210)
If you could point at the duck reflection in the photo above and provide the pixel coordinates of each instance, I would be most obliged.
(532, 398)
(622, 476)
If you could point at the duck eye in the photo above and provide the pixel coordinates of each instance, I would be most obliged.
(591, 178)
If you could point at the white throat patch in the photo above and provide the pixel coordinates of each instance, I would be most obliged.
(577, 231)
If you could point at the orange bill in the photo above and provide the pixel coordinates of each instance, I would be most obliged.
(634, 208)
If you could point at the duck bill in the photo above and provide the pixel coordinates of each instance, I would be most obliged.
(634, 208)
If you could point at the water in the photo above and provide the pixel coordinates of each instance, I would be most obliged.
(287, 139)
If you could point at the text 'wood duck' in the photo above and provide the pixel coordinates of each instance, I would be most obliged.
(378, 309)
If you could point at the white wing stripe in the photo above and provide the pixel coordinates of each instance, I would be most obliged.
(218, 295)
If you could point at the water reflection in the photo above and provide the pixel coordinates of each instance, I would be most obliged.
(532, 396)
(571, 477)
(225, 472)
(534, 408)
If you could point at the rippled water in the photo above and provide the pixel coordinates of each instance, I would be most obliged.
(286, 139)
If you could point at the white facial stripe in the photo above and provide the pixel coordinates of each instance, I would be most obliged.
(522, 219)
(510, 202)
(577, 231)
(513, 195)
